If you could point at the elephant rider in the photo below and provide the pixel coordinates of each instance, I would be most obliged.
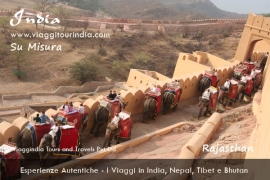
(119, 97)
(243, 80)
(65, 107)
(82, 112)
(205, 96)
(37, 118)
(158, 90)
(226, 85)
(53, 132)
(240, 65)
(253, 74)
(154, 89)
(257, 64)
(43, 117)
(114, 124)
(110, 96)
(216, 74)
(51, 120)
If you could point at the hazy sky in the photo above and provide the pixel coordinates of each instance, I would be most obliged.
(244, 6)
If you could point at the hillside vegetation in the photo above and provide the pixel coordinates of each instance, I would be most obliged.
(156, 9)
(136, 9)
(113, 57)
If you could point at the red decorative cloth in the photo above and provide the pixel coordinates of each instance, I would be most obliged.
(13, 163)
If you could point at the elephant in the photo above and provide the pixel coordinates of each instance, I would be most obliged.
(240, 92)
(46, 150)
(204, 84)
(110, 133)
(168, 100)
(101, 116)
(203, 103)
(237, 75)
(84, 121)
(25, 139)
(149, 108)
(263, 63)
(258, 80)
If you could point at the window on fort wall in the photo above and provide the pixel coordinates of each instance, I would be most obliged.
(9, 139)
(184, 58)
(185, 87)
(135, 77)
(136, 100)
(141, 82)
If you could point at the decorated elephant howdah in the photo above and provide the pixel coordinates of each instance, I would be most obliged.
(32, 134)
(120, 131)
(11, 161)
(106, 110)
(151, 106)
(208, 101)
(171, 98)
(66, 143)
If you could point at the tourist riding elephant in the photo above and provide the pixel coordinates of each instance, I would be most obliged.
(149, 108)
(168, 100)
(204, 84)
(101, 116)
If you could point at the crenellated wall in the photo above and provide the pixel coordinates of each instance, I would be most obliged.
(254, 43)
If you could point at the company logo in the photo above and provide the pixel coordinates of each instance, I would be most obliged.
(38, 20)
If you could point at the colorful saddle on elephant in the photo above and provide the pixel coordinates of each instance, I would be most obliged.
(67, 139)
(212, 78)
(213, 98)
(156, 98)
(113, 106)
(124, 126)
(250, 66)
(38, 130)
(176, 92)
(72, 117)
(12, 160)
(233, 89)
(249, 85)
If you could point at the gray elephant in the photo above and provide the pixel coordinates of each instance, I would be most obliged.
(101, 116)
(47, 150)
(149, 108)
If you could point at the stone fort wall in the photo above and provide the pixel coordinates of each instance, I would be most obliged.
(210, 25)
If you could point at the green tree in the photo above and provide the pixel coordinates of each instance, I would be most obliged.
(85, 69)
(142, 58)
(121, 69)
(4, 22)
(20, 57)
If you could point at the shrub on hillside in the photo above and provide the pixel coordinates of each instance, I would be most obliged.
(84, 70)
(102, 51)
(142, 58)
(19, 73)
(121, 69)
